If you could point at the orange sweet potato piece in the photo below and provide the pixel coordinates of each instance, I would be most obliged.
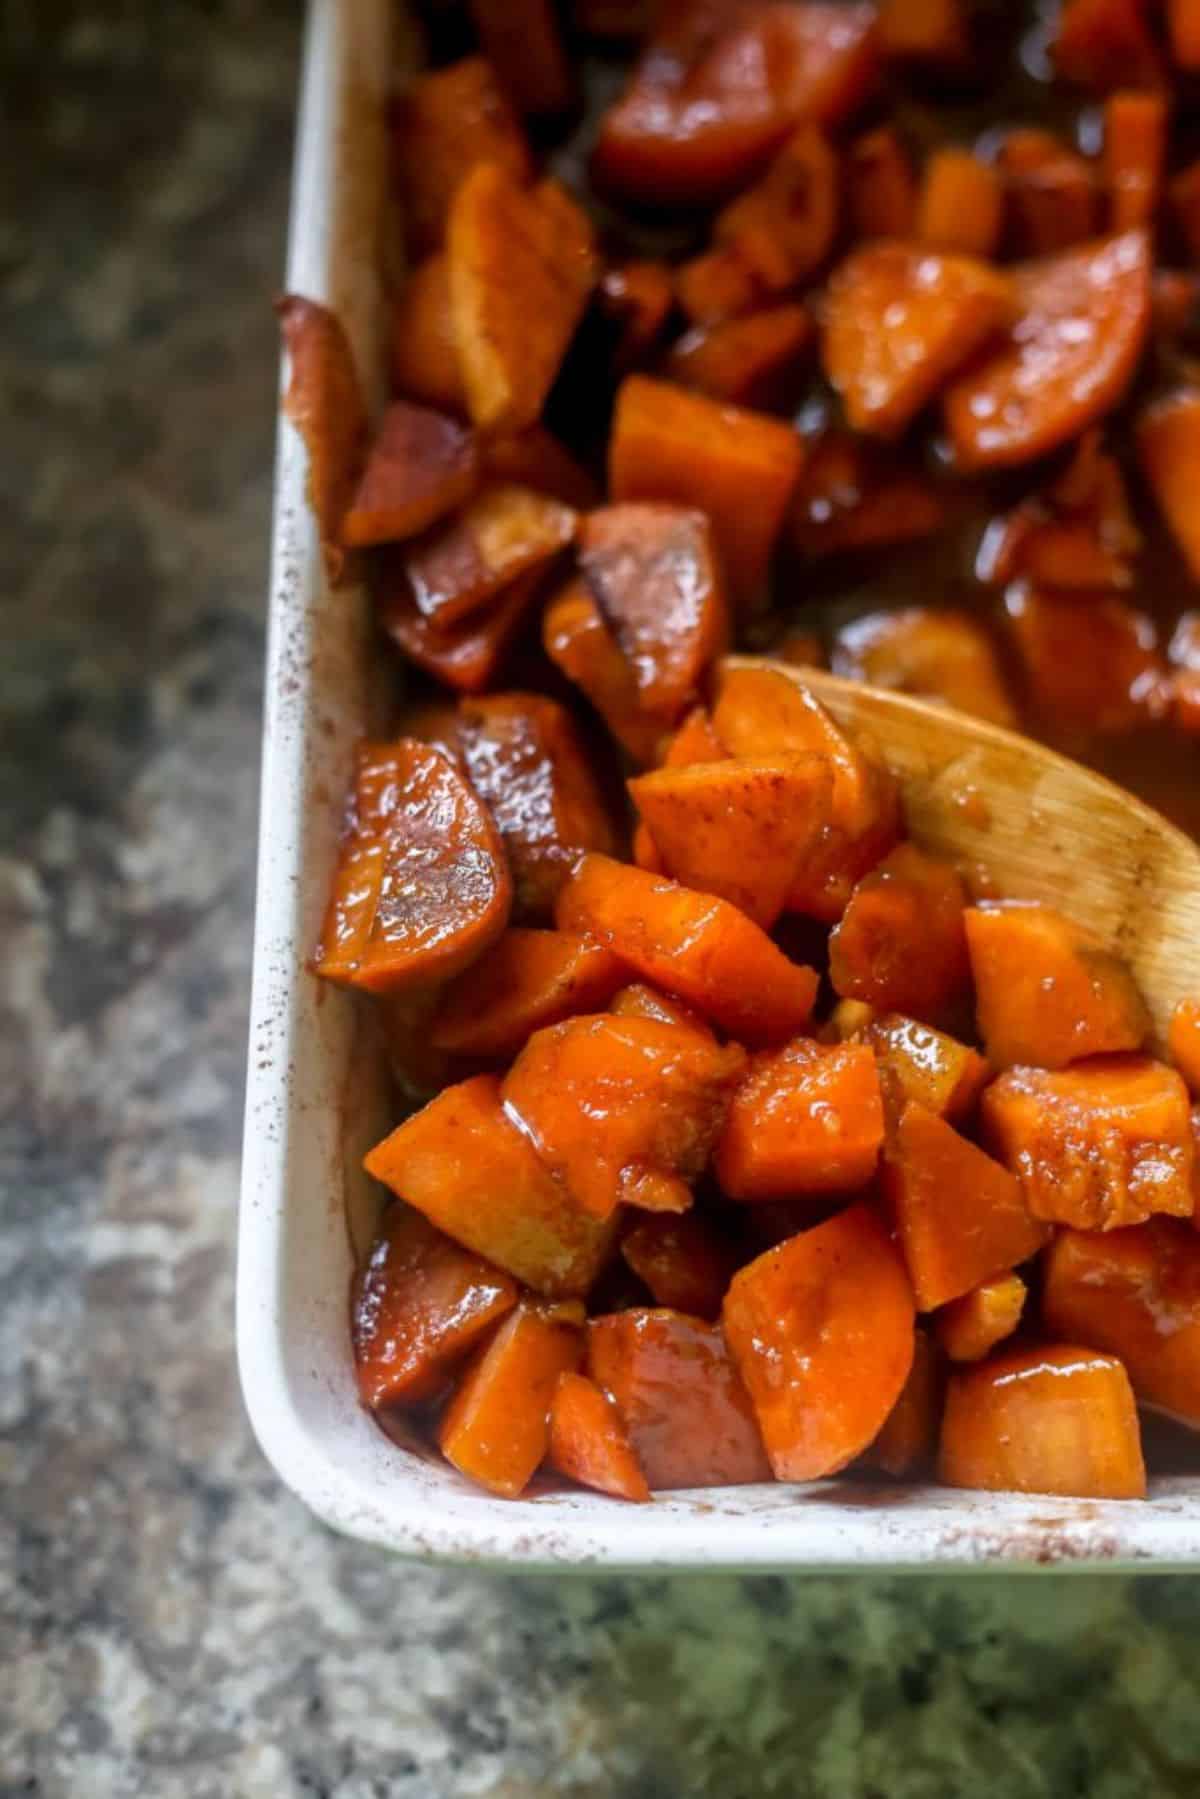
(906, 1444)
(1046, 1420)
(527, 761)
(466, 655)
(522, 264)
(496, 1428)
(463, 1162)
(940, 655)
(637, 1000)
(738, 466)
(1097, 1146)
(1183, 1041)
(1091, 664)
(534, 458)
(638, 297)
(1051, 192)
(448, 121)
(589, 1442)
(783, 227)
(1103, 44)
(701, 949)
(750, 361)
(961, 1217)
(465, 563)
(899, 321)
(1168, 441)
(688, 1416)
(424, 354)
(324, 401)
(522, 41)
(1080, 533)
(1047, 992)
(577, 639)
(807, 1119)
(928, 31)
(421, 886)
(1082, 320)
(900, 944)
(855, 495)
(1135, 147)
(717, 285)
(418, 1305)
(961, 203)
(881, 189)
(1183, 26)
(821, 1331)
(623, 1109)
(530, 979)
(421, 465)
(682, 1260)
(970, 1328)
(917, 1063)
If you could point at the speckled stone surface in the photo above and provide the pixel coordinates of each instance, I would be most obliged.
(172, 1624)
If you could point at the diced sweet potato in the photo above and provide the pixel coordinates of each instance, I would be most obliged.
(1082, 320)
(682, 1260)
(1183, 26)
(639, 297)
(531, 979)
(1091, 665)
(533, 458)
(924, 31)
(496, 1428)
(821, 1332)
(807, 1119)
(463, 1162)
(738, 466)
(961, 1217)
(900, 944)
(881, 189)
(1051, 193)
(1135, 148)
(421, 886)
(688, 1416)
(589, 1442)
(717, 285)
(906, 1444)
(324, 401)
(503, 533)
(699, 948)
(578, 640)
(900, 320)
(522, 41)
(854, 495)
(751, 361)
(1097, 1146)
(418, 1305)
(1103, 44)
(1077, 534)
(1183, 1041)
(448, 121)
(424, 353)
(961, 204)
(522, 264)
(945, 656)
(466, 656)
(783, 226)
(421, 465)
(1168, 441)
(1047, 992)
(637, 1000)
(918, 1064)
(970, 1328)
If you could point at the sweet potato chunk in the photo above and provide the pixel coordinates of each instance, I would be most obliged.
(688, 1416)
(534, 458)
(324, 401)
(448, 121)
(420, 466)
(1078, 534)
(740, 467)
(637, 1000)
(1183, 1041)
(522, 264)
(917, 1063)
(623, 1109)
(577, 639)
(467, 655)
(463, 1162)
(855, 495)
(717, 285)
(900, 944)
(1051, 193)
(1101, 1145)
(807, 1119)
(417, 1307)
(424, 354)
(682, 1260)
(1091, 664)
(496, 1428)
(589, 1442)
(1168, 441)
(961, 1217)
(522, 41)
(1103, 44)
(782, 228)
(699, 948)
(638, 297)
(745, 362)
(924, 31)
(821, 1332)
(880, 186)
(1183, 24)
(464, 564)
(970, 1328)
(961, 203)
(900, 320)
(944, 656)
(906, 1444)
(530, 979)
(1082, 319)
(1135, 147)
(421, 887)
(1045, 1420)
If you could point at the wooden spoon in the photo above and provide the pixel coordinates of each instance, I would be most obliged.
(1025, 823)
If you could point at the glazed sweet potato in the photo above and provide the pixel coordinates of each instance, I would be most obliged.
(783, 227)
(806, 1119)
(854, 495)
(901, 944)
(421, 887)
(1091, 663)
(424, 353)
(523, 43)
(1051, 194)
(970, 1328)
(942, 655)
(924, 31)
(466, 656)
(682, 1260)
(325, 403)
(907, 1443)
(1135, 147)
(448, 121)
(464, 1164)
(1104, 44)
(463, 565)
(1168, 442)
(701, 949)
(717, 285)
(577, 639)
(1077, 534)
(753, 361)
(529, 980)
(881, 189)
(960, 207)
(639, 298)
(421, 465)
(534, 458)
(1183, 1041)
(1183, 25)
(589, 1443)
(821, 1332)
(683, 1404)
(496, 1428)
(638, 1000)
(918, 1064)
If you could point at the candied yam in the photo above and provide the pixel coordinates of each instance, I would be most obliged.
(783, 227)
(1097, 1146)
(750, 361)
(960, 1215)
(579, 642)
(534, 458)
(806, 1119)
(1104, 44)
(1090, 664)
(464, 1164)
(1183, 27)
(522, 264)
(589, 1442)
(639, 298)
(855, 495)
(821, 1330)
(1183, 1041)
(717, 285)
(637, 1000)
(738, 466)
(420, 466)
(465, 656)
(701, 949)
(496, 1428)
(531, 979)
(1168, 443)
(881, 189)
(961, 203)
(522, 41)
(623, 1109)
(899, 321)
(1047, 1420)
(1081, 321)
(1135, 148)
(465, 563)
(325, 403)
(1047, 992)
(1051, 193)
(682, 1261)
(921, 1065)
(424, 353)
(419, 1303)
(945, 656)
(925, 31)
(421, 886)
(900, 944)
(1078, 534)
(970, 1328)
(448, 121)
(907, 1443)
(688, 1416)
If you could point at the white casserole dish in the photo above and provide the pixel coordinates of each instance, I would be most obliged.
(315, 1096)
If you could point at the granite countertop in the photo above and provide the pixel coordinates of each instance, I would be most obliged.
(175, 1625)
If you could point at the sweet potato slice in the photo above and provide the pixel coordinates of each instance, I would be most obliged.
(535, 459)
(637, 1000)
(908, 1441)
(900, 945)
(699, 948)
(1097, 1146)
(325, 403)
(1046, 1420)
(821, 1331)
(449, 120)
(807, 1119)
(1135, 148)
(921, 1065)
(1082, 318)
(1168, 441)
(855, 495)
(880, 186)
(496, 1428)
(682, 1260)
(421, 887)
(783, 227)
(464, 564)
(530, 979)
(522, 264)
(1051, 193)
(1183, 26)
(688, 1416)
(589, 1442)
(1091, 663)
(1104, 44)
(1046, 991)
(463, 1162)
(750, 361)
(419, 1303)
(738, 466)
(1183, 1041)
(639, 298)
(961, 203)
(717, 285)
(421, 465)
(522, 41)
(945, 656)
(577, 639)
(961, 1217)
(970, 1328)
(466, 656)
(623, 1109)
(424, 354)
